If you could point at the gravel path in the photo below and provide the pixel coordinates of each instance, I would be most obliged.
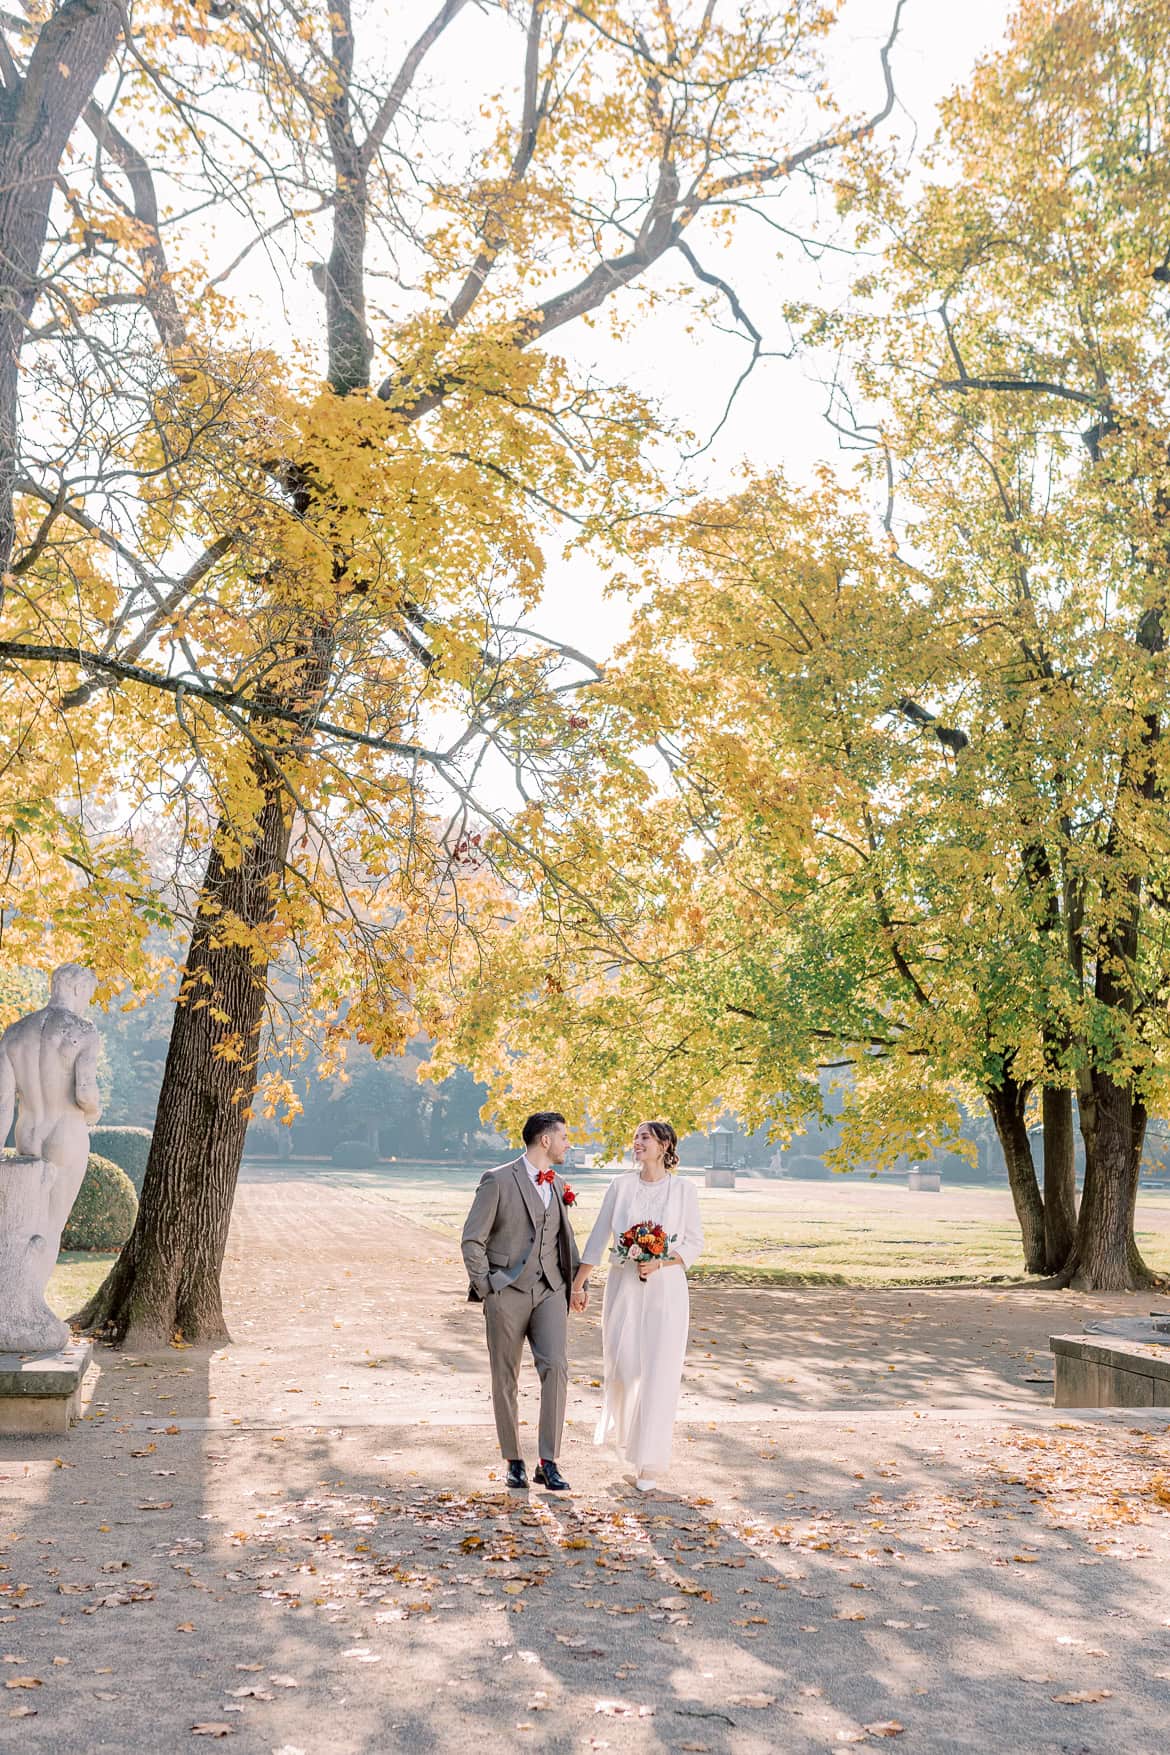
(299, 1543)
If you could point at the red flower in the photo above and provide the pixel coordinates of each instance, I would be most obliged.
(569, 1195)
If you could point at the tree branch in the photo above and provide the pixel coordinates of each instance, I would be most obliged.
(1032, 386)
(403, 80)
(949, 736)
(159, 616)
(157, 292)
(228, 701)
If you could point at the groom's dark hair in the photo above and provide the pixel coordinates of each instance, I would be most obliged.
(540, 1123)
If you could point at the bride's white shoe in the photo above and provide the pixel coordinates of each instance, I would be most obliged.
(645, 1483)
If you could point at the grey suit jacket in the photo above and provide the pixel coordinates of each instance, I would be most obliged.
(501, 1230)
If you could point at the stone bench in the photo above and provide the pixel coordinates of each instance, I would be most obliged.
(720, 1179)
(1112, 1370)
(924, 1182)
(42, 1392)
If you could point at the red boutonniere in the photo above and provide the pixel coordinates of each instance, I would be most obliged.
(569, 1195)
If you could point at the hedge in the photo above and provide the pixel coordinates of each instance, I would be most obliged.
(104, 1212)
(127, 1147)
(354, 1155)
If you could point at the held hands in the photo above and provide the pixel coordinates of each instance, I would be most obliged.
(579, 1300)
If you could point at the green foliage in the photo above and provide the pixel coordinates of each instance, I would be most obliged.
(918, 828)
(354, 1154)
(104, 1212)
(127, 1147)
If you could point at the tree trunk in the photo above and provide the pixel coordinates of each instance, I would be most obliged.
(1008, 1105)
(166, 1281)
(1105, 1256)
(167, 1278)
(1060, 1185)
(38, 113)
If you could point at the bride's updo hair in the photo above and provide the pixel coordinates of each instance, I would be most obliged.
(664, 1133)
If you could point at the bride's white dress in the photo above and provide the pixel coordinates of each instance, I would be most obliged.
(644, 1326)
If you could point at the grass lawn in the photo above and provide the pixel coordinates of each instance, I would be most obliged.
(857, 1232)
(77, 1275)
(846, 1232)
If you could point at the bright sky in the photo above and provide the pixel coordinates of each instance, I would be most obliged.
(778, 418)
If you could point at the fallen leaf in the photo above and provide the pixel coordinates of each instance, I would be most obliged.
(1084, 1696)
(757, 1702)
(886, 1727)
(24, 1682)
(213, 1730)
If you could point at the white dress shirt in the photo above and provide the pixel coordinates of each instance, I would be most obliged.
(543, 1189)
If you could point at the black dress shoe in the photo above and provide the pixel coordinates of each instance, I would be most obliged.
(517, 1476)
(546, 1474)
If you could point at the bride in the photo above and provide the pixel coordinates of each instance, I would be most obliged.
(646, 1310)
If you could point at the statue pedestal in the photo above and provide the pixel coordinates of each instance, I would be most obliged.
(34, 1204)
(720, 1179)
(42, 1392)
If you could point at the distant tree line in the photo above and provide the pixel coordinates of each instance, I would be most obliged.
(379, 1102)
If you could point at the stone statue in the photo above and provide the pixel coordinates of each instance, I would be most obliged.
(48, 1074)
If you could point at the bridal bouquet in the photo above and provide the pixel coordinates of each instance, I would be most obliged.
(643, 1242)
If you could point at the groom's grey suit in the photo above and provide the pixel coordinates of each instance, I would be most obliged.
(521, 1257)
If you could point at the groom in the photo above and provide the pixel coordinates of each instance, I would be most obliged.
(521, 1256)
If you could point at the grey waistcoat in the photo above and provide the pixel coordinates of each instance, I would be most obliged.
(544, 1257)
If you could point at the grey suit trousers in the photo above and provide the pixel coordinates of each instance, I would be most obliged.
(540, 1316)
